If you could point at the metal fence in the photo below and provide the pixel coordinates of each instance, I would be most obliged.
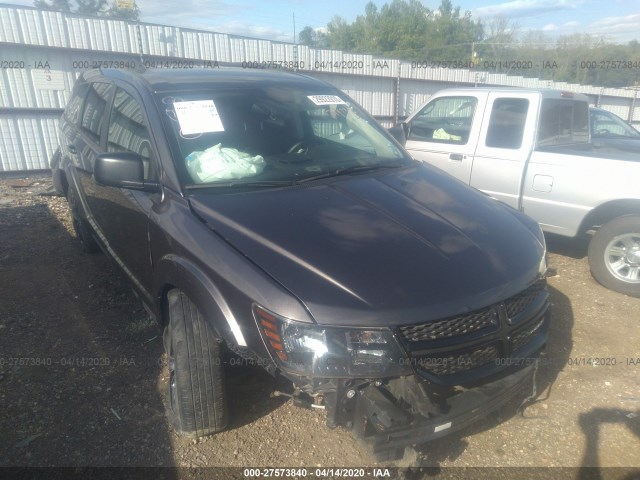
(43, 52)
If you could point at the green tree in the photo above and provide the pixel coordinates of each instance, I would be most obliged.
(451, 34)
(312, 38)
(499, 45)
(340, 35)
(98, 8)
(91, 7)
(408, 30)
(402, 29)
(58, 5)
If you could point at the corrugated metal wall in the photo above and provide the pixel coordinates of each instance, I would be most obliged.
(43, 52)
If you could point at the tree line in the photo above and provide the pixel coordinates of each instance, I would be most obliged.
(98, 8)
(410, 31)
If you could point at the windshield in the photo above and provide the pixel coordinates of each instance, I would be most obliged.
(273, 135)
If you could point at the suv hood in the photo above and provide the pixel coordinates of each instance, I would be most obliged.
(404, 247)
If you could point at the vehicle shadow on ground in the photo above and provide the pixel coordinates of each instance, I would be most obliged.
(559, 345)
(81, 359)
(591, 424)
(250, 392)
(569, 247)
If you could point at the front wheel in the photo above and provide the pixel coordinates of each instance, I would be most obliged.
(197, 404)
(614, 255)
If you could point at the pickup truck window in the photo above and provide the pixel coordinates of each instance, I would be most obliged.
(506, 125)
(445, 120)
(563, 122)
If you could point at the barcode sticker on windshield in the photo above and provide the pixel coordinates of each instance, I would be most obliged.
(200, 116)
(326, 100)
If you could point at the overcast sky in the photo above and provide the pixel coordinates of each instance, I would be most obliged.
(616, 20)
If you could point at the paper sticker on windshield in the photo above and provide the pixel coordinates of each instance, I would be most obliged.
(200, 116)
(326, 100)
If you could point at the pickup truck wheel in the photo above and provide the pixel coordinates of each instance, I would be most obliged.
(83, 231)
(614, 255)
(197, 404)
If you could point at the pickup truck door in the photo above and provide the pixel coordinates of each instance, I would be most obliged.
(505, 144)
(444, 133)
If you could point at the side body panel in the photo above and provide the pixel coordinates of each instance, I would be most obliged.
(561, 187)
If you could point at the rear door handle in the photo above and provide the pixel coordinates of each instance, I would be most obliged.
(456, 156)
(72, 149)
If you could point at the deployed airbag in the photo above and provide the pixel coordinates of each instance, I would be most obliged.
(218, 163)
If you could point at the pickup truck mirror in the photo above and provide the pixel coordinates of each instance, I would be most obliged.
(399, 132)
(122, 170)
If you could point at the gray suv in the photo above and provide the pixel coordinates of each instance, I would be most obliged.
(267, 214)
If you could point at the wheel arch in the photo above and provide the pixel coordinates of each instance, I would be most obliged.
(608, 211)
(60, 182)
(176, 272)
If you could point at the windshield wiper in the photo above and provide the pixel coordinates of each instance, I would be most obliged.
(241, 184)
(351, 169)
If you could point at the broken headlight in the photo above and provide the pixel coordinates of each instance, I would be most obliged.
(314, 350)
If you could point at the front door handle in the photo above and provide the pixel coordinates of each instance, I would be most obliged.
(72, 149)
(456, 156)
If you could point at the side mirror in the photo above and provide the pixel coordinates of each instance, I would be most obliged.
(122, 170)
(399, 132)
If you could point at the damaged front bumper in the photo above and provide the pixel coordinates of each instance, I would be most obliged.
(411, 384)
(387, 429)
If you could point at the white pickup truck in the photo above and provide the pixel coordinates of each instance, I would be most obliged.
(531, 149)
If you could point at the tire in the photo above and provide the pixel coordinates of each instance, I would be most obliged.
(197, 403)
(81, 227)
(57, 174)
(614, 255)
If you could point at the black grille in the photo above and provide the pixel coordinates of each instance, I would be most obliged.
(459, 362)
(456, 345)
(520, 301)
(523, 337)
(451, 327)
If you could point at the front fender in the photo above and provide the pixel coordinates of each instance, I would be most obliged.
(177, 272)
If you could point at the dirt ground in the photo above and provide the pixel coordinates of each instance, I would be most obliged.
(83, 377)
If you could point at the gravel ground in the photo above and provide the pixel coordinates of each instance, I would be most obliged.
(83, 376)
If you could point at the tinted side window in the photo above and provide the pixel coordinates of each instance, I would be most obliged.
(74, 107)
(94, 109)
(128, 131)
(506, 125)
(445, 120)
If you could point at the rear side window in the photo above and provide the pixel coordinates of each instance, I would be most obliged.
(128, 131)
(506, 125)
(563, 122)
(94, 109)
(74, 107)
(444, 120)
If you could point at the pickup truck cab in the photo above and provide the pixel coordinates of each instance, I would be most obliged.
(531, 150)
